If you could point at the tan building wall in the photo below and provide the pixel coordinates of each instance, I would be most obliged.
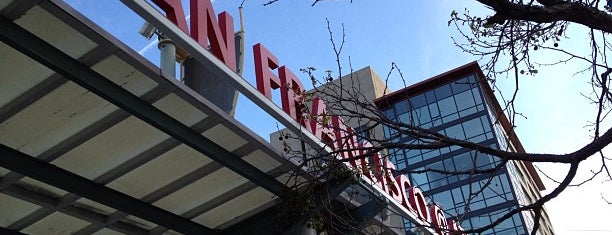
(363, 86)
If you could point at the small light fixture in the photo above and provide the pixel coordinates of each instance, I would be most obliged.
(147, 30)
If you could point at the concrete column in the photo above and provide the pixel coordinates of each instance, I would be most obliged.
(168, 57)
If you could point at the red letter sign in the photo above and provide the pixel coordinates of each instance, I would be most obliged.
(438, 219)
(174, 12)
(264, 61)
(291, 93)
(393, 188)
(455, 227)
(204, 27)
(320, 122)
(345, 140)
(418, 204)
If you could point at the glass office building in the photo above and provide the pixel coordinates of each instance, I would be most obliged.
(461, 105)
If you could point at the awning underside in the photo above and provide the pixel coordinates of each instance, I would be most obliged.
(81, 136)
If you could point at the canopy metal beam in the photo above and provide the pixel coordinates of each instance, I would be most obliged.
(39, 170)
(39, 50)
(83, 136)
(47, 202)
(108, 177)
(10, 232)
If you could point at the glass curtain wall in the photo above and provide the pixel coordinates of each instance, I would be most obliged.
(456, 109)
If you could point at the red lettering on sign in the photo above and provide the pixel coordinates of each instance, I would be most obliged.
(364, 161)
(320, 122)
(404, 184)
(438, 219)
(455, 227)
(174, 12)
(379, 169)
(264, 61)
(418, 204)
(393, 187)
(204, 27)
(345, 140)
(332, 131)
(291, 93)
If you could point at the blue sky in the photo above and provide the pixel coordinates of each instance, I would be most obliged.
(414, 35)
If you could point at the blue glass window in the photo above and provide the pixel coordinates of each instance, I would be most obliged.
(404, 118)
(389, 113)
(431, 97)
(445, 199)
(443, 92)
(455, 131)
(418, 101)
(461, 85)
(447, 106)
(433, 110)
(473, 128)
(482, 160)
(463, 162)
(465, 100)
(401, 107)
(422, 115)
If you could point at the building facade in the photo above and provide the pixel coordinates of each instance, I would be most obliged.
(461, 105)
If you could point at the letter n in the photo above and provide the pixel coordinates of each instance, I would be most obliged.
(221, 36)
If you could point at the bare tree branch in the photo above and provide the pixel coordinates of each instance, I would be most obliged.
(573, 11)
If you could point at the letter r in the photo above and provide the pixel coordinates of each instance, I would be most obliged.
(291, 93)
